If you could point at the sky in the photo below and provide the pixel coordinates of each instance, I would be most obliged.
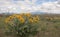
(25, 6)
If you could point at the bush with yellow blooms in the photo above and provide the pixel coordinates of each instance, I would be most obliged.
(22, 25)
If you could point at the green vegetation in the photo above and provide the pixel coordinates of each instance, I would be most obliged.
(49, 26)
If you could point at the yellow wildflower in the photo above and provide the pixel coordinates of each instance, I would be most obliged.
(36, 18)
(22, 14)
(28, 14)
(21, 20)
(31, 20)
(19, 17)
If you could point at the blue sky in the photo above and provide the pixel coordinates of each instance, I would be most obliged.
(37, 1)
(19, 6)
(43, 1)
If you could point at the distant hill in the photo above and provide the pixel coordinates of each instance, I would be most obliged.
(38, 12)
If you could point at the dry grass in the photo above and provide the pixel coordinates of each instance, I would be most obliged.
(47, 27)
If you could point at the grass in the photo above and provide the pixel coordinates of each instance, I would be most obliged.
(47, 28)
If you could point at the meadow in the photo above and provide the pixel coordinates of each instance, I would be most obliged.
(49, 26)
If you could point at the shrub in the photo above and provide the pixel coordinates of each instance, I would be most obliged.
(22, 25)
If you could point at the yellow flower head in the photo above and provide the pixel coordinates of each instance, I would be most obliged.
(19, 17)
(28, 14)
(22, 20)
(31, 20)
(37, 18)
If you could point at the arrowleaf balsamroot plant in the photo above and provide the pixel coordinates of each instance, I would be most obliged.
(22, 25)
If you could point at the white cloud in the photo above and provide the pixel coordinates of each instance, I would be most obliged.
(28, 6)
(19, 6)
(50, 7)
